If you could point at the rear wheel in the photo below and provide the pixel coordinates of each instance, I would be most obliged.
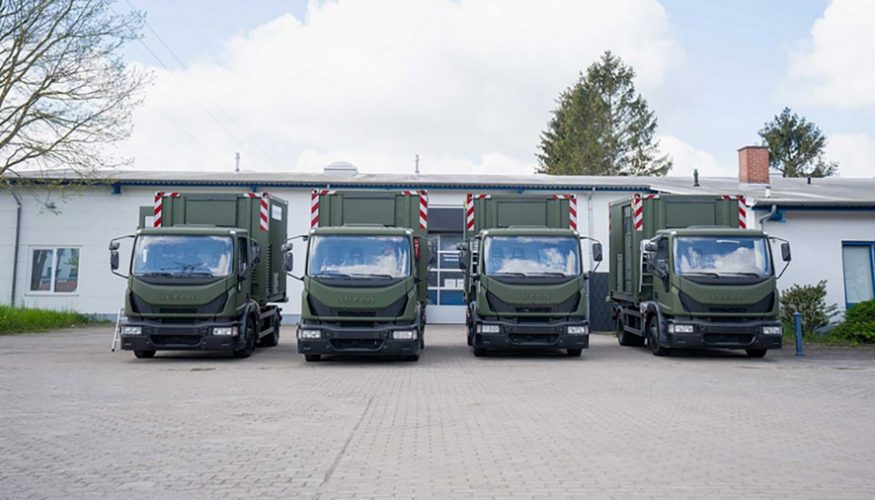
(312, 358)
(653, 339)
(144, 354)
(574, 353)
(756, 353)
(625, 338)
(251, 337)
(480, 352)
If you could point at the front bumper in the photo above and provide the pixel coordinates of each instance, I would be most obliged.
(724, 335)
(547, 335)
(193, 336)
(359, 341)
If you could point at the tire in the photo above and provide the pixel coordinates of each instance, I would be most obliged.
(756, 353)
(480, 352)
(652, 338)
(625, 338)
(574, 353)
(411, 357)
(312, 358)
(144, 354)
(251, 339)
(274, 338)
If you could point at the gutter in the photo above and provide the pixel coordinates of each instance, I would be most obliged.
(762, 218)
(15, 245)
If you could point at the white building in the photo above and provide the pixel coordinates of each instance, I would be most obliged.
(53, 253)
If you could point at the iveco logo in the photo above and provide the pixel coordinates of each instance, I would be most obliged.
(177, 297)
(357, 300)
(533, 297)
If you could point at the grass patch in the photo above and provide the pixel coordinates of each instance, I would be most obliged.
(26, 320)
(825, 340)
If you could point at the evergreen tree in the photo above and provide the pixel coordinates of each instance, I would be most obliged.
(796, 146)
(602, 126)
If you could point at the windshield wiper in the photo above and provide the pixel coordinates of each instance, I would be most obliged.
(550, 273)
(369, 275)
(329, 274)
(702, 273)
(152, 274)
(755, 275)
(523, 275)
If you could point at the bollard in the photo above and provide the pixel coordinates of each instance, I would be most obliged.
(800, 351)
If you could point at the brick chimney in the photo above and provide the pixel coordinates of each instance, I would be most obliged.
(753, 165)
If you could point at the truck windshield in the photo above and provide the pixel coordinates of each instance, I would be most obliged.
(183, 256)
(532, 256)
(717, 255)
(359, 256)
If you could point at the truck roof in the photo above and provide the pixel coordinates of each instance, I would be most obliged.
(363, 229)
(194, 230)
(529, 231)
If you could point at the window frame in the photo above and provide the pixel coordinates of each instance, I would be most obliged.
(871, 246)
(54, 250)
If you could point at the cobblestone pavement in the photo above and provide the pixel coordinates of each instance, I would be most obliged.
(80, 422)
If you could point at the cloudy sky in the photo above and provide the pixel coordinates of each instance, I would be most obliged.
(469, 84)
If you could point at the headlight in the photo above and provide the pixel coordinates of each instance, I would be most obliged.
(404, 334)
(225, 331)
(772, 330)
(489, 328)
(578, 330)
(675, 328)
(131, 330)
(310, 334)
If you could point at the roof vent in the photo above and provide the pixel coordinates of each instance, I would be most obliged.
(341, 169)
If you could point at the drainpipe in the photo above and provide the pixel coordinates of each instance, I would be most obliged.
(762, 218)
(15, 246)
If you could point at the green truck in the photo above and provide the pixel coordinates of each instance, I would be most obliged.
(525, 280)
(365, 279)
(685, 272)
(204, 274)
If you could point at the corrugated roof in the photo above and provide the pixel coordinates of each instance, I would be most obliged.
(835, 191)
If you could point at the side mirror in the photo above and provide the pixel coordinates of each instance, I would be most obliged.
(289, 262)
(650, 246)
(256, 254)
(785, 251)
(463, 259)
(597, 252)
(432, 253)
(113, 258)
(114, 245)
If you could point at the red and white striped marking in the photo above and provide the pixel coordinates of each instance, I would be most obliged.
(638, 209)
(264, 211)
(572, 208)
(742, 209)
(314, 205)
(469, 208)
(423, 206)
(158, 210)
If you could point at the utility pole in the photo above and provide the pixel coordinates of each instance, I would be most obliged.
(237, 163)
(417, 164)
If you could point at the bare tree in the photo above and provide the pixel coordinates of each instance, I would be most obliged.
(65, 92)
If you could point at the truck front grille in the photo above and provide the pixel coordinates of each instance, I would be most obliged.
(694, 306)
(533, 339)
(356, 344)
(175, 340)
(567, 306)
(728, 339)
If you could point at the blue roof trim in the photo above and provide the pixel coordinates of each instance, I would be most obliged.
(838, 207)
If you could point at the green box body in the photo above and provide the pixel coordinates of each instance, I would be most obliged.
(523, 312)
(726, 312)
(355, 317)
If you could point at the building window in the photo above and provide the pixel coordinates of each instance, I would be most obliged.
(54, 270)
(445, 279)
(858, 261)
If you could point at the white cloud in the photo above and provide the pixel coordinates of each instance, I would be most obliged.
(854, 152)
(687, 158)
(467, 84)
(834, 65)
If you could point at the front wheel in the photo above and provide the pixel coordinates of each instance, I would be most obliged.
(411, 357)
(574, 353)
(625, 338)
(249, 341)
(312, 358)
(653, 339)
(480, 352)
(144, 354)
(755, 353)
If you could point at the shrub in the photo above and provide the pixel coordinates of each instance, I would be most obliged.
(25, 319)
(809, 301)
(859, 323)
